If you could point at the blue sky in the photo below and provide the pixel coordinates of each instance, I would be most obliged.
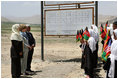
(20, 8)
(107, 7)
(30, 8)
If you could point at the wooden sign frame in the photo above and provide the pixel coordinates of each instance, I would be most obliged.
(69, 3)
(65, 9)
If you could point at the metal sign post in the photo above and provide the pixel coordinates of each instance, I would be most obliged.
(96, 13)
(42, 47)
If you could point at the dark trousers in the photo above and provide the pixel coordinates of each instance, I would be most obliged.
(82, 61)
(115, 75)
(15, 67)
(29, 59)
(95, 56)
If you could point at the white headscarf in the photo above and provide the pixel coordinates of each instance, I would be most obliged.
(110, 28)
(91, 32)
(95, 28)
(92, 44)
(16, 34)
(94, 34)
(28, 25)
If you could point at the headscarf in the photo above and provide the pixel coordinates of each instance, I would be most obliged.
(91, 32)
(110, 28)
(81, 31)
(15, 28)
(94, 34)
(28, 25)
(95, 29)
(92, 44)
(16, 34)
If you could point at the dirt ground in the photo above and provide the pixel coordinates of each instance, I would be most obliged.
(62, 58)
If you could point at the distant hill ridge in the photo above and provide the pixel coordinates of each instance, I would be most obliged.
(36, 19)
(102, 19)
(31, 20)
(4, 19)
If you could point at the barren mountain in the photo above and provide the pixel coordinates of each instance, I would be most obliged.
(37, 20)
(32, 20)
(4, 19)
(102, 19)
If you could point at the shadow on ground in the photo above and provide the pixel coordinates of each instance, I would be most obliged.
(25, 77)
(98, 69)
(69, 60)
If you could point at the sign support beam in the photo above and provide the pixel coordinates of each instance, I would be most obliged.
(42, 41)
(96, 13)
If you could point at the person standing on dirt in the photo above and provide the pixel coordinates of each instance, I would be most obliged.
(32, 43)
(112, 73)
(26, 48)
(89, 49)
(96, 37)
(16, 51)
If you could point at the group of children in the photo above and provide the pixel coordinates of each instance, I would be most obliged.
(89, 39)
(89, 45)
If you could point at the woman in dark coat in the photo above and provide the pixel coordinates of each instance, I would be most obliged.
(88, 54)
(16, 51)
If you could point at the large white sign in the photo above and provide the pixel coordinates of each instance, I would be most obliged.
(67, 22)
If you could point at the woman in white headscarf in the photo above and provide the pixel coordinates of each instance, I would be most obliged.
(110, 27)
(91, 33)
(92, 44)
(113, 57)
(16, 51)
(95, 28)
(96, 37)
(89, 49)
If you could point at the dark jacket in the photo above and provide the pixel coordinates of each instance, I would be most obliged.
(31, 39)
(16, 48)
